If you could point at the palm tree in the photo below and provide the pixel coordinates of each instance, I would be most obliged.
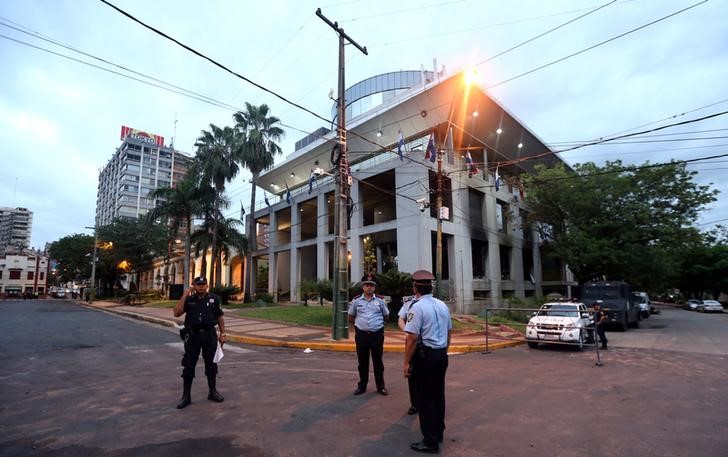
(227, 236)
(218, 154)
(261, 133)
(179, 205)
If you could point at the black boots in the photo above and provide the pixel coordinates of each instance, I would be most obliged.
(214, 395)
(186, 399)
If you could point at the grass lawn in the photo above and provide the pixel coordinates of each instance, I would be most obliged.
(302, 315)
(161, 304)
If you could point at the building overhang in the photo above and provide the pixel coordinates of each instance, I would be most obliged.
(430, 108)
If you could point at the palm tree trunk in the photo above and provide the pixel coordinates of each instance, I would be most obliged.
(203, 264)
(252, 244)
(218, 268)
(215, 280)
(186, 262)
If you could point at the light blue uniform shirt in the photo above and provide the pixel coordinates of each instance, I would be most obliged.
(430, 319)
(369, 314)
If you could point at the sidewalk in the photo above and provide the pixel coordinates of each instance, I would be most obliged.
(276, 334)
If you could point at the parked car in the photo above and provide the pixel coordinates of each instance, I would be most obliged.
(560, 322)
(692, 304)
(617, 302)
(643, 300)
(710, 306)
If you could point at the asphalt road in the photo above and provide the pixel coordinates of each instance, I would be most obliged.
(676, 329)
(79, 382)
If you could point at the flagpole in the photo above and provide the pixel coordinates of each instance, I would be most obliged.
(438, 205)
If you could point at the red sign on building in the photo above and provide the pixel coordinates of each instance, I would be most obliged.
(141, 136)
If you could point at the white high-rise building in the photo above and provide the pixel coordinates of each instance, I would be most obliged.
(16, 225)
(141, 164)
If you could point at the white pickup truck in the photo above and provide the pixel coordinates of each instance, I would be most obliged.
(560, 322)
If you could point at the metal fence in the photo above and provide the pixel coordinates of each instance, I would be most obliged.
(536, 326)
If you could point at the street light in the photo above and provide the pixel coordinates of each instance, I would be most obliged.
(92, 292)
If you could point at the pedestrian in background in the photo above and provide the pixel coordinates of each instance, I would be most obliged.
(600, 321)
(425, 359)
(407, 302)
(202, 312)
(368, 312)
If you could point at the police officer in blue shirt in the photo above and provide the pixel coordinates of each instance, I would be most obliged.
(425, 359)
(407, 302)
(202, 312)
(368, 312)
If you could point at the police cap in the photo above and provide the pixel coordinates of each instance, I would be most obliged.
(368, 279)
(422, 277)
(200, 280)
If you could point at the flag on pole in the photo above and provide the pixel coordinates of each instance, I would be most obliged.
(497, 178)
(400, 145)
(430, 152)
(265, 199)
(242, 211)
(472, 169)
(288, 195)
(311, 179)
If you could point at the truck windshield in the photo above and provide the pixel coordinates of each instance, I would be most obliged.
(601, 292)
(559, 310)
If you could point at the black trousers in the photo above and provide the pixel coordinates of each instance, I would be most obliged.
(204, 341)
(428, 372)
(602, 334)
(370, 342)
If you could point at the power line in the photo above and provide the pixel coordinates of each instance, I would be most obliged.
(545, 33)
(594, 46)
(405, 10)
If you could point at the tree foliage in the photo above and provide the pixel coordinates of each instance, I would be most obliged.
(73, 254)
(616, 222)
(137, 241)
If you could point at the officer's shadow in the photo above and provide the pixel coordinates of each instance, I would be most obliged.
(306, 416)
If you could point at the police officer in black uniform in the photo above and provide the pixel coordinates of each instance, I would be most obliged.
(202, 312)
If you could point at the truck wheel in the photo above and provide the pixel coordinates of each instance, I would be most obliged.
(624, 325)
(532, 344)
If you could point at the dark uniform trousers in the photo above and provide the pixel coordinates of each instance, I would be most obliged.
(204, 340)
(367, 342)
(428, 372)
(602, 334)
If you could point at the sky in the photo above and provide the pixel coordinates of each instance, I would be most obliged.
(60, 119)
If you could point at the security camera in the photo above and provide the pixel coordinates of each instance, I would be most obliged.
(318, 172)
(421, 201)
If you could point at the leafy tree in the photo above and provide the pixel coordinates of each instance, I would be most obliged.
(73, 253)
(136, 241)
(396, 284)
(179, 205)
(228, 237)
(260, 132)
(616, 222)
(218, 153)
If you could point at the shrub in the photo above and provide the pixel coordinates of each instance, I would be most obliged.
(263, 299)
(225, 292)
(308, 289)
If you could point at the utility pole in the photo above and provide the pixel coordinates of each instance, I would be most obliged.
(438, 210)
(340, 324)
(92, 291)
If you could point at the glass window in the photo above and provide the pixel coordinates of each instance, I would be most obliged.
(30, 275)
(14, 274)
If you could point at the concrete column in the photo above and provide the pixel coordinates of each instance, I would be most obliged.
(414, 228)
(294, 257)
(272, 264)
(494, 270)
(321, 233)
(537, 273)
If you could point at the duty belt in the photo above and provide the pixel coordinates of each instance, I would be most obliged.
(368, 332)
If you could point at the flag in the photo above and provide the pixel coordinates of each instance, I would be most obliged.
(430, 152)
(242, 211)
(472, 169)
(288, 195)
(265, 199)
(311, 179)
(497, 179)
(400, 145)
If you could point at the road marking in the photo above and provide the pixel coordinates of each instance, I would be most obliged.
(226, 348)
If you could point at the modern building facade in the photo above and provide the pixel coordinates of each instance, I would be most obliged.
(23, 273)
(16, 225)
(141, 164)
(487, 252)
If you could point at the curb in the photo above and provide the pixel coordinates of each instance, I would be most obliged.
(314, 345)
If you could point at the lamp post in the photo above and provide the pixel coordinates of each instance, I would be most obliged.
(92, 291)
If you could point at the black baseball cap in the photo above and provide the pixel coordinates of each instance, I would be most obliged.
(200, 280)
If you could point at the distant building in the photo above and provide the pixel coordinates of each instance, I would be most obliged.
(16, 225)
(22, 273)
(141, 164)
